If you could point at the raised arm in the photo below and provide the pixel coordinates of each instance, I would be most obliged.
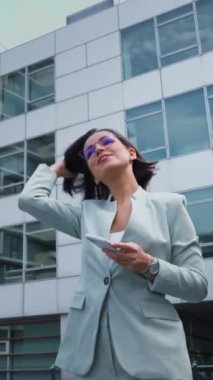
(35, 200)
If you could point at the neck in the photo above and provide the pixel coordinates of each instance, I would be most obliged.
(122, 187)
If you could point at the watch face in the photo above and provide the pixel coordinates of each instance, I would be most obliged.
(154, 267)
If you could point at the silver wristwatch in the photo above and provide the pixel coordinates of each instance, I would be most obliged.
(153, 268)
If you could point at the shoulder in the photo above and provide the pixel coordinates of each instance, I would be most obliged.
(167, 199)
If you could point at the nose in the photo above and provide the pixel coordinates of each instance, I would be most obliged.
(98, 148)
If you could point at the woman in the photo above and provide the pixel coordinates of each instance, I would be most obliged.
(120, 325)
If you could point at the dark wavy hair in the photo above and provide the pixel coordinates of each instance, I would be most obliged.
(82, 179)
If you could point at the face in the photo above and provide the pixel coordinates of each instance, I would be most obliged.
(105, 153)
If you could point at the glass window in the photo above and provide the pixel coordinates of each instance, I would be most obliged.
(205, 22)
(40, 150)
(11, 249)
(200, 207)
(32, 348)
(139, 49)
(146, 131)
(11, 169)
(12, 94)
(41, 84)
(40, 89)
(210, 95)
(187, 123)
(177, 35)
(41, 251)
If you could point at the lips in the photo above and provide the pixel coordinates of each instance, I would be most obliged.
(102, 158)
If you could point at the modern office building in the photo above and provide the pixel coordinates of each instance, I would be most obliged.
(142, 68)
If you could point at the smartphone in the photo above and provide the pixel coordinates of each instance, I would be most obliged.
(101, 242)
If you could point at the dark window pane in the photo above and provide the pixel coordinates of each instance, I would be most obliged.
(155, 155)
(177, 35)
(187, 123)
(41, 103)
(205, 22)
(207, 250)
(175, 13)
(179, 56)
(40, 150)
(12, 105)
(11, 247)
(199, 195)
(210, 90)
(211, 110)
(139, 49)
(15, 83)
(147, 133)
(11, 169)
(143, 110)
(12, 94)
(41, 249)
(202, 216)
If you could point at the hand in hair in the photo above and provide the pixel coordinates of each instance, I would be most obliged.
(60, 169)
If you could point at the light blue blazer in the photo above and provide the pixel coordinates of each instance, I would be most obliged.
(147, 333)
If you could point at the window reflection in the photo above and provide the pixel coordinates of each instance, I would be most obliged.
(187, 123)
(38, 79)
(41, 251)
(200, 207)
(204, 14)
(31, 345)
(40, 150)
(11, 169)
(177, 35)
(41, 84)
(11, 248)
(145, 130)
(139, 49)
(12, 94)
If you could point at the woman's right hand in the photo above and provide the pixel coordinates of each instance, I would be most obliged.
(60, 169)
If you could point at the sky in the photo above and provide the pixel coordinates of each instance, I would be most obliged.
(24, 20)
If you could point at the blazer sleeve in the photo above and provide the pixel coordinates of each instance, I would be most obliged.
(35, 200)
(183, 277)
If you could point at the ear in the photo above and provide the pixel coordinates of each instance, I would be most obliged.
(132, 154)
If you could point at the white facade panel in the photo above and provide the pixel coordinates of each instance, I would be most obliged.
(142, 89)
(12, 130)
(10, 213)
(94, 77)
(67, 136)
(135, 11)
(28, 53)
(103, 48)
(71, 60)
(206, 66)
(40, 297)
(106, 101)
(72, 111)
(161, 181)
(88, 29)
(65, 289)
(181, 77)
(69, 260)
(186, 172)
(41, 121)
(11, 300)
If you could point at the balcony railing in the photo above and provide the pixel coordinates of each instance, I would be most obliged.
(200, 372)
